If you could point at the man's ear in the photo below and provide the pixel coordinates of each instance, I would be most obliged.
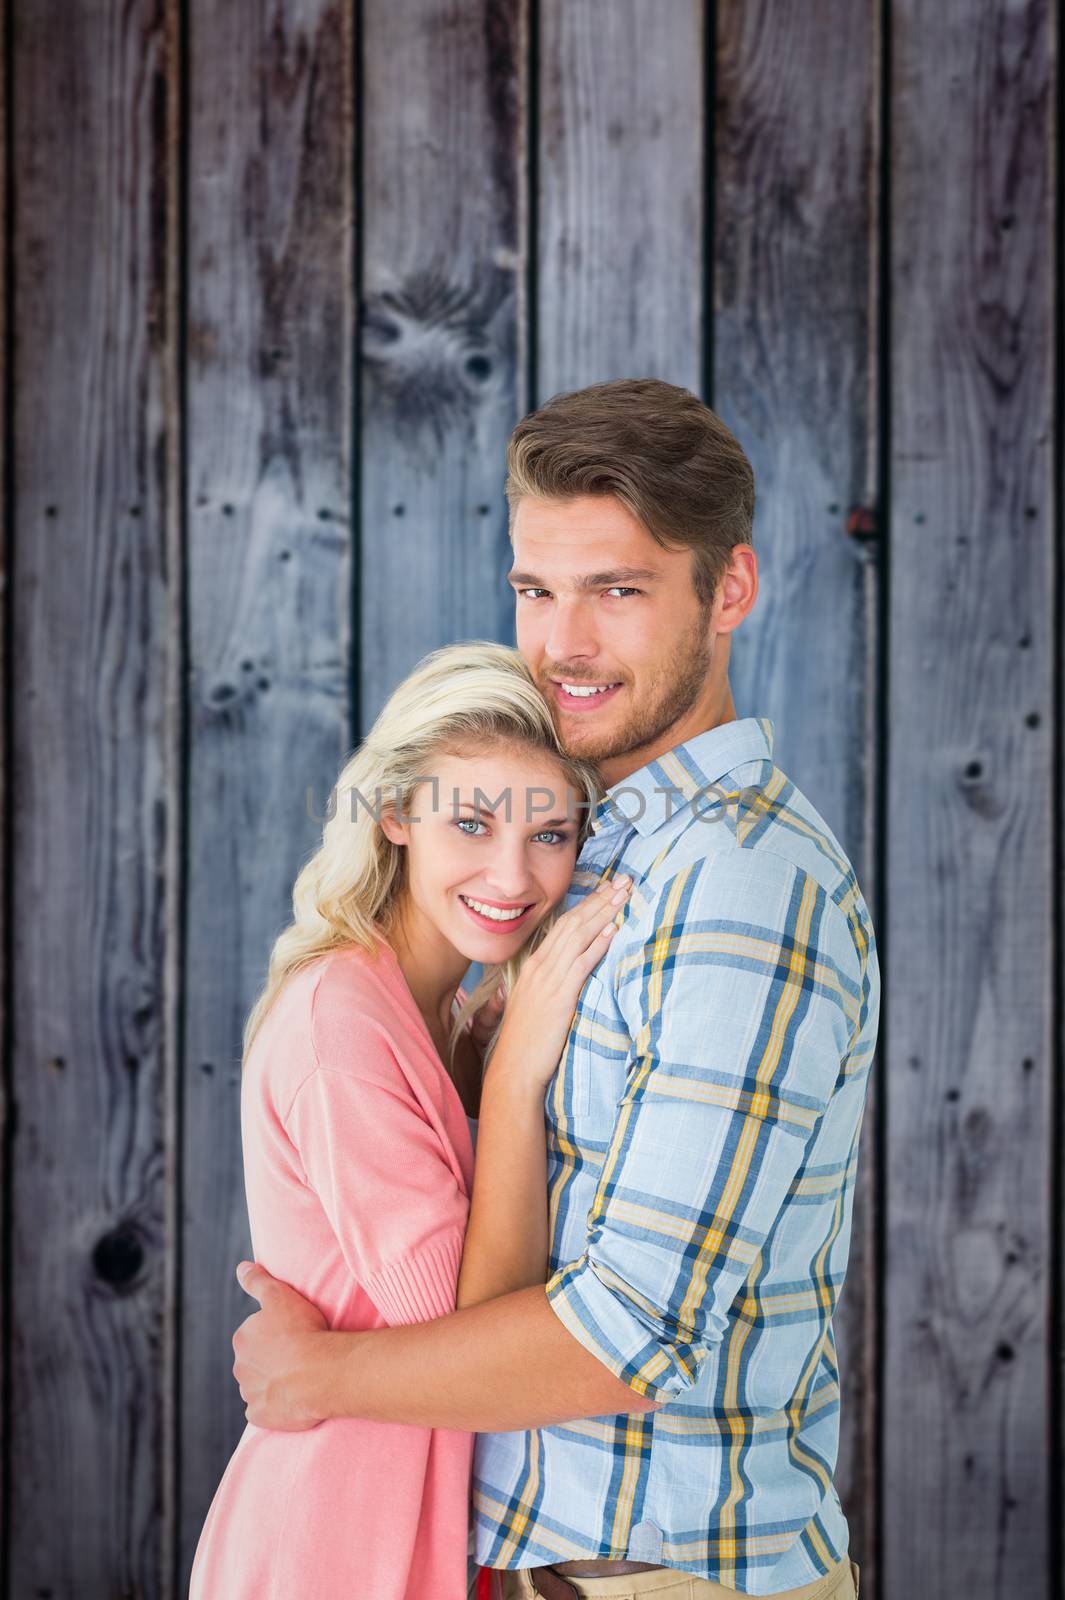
(393, 829)
(738, 590)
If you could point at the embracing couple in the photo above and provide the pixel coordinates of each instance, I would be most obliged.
(598, 1359)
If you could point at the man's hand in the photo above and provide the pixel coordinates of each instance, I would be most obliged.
(273, 1347)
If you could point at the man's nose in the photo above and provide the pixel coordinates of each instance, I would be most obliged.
(571, 633)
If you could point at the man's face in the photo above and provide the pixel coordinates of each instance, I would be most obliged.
(601, 603)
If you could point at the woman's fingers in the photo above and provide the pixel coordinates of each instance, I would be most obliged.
(541, 1006)
(602, 905)
(581, 929)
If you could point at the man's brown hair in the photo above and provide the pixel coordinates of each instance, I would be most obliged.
(658, 449)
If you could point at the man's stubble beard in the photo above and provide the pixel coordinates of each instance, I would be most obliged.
(672, 692)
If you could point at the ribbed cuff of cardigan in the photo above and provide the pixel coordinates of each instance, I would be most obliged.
(422, 1285)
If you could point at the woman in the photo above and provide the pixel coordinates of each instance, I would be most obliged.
(453, 840)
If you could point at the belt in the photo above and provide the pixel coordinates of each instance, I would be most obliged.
(551, 1583)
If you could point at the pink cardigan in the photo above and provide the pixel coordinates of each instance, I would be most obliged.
(358, 1166)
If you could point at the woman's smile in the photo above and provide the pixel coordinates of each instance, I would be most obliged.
(495, 915)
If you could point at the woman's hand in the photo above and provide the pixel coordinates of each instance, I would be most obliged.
(486, 1020)
(540, 1007)
(506, 1239)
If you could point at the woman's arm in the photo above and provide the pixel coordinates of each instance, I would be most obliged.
(506, 1237)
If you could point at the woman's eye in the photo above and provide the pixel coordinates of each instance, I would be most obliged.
(553, 833)
(474, 822)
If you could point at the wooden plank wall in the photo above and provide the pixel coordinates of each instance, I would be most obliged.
(278, 280)
(91, 751)
(970, 1239)
(794, 375)
(443, 371)
(268, 425)
(620, 199)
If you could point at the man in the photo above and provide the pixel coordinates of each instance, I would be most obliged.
(669, 1401)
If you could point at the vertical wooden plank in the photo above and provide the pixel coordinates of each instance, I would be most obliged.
(92, 264)
(794, 377)
(269, 418)
(443, 369)
(620, 206)
(5, 929)
(968, 1065)
(173, 864)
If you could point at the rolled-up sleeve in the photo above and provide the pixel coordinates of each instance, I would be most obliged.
(739, 987)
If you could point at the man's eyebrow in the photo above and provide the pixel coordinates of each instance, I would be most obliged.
(590, 580)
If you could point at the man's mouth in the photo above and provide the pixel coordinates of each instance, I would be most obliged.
(496, 915)
(583, 696)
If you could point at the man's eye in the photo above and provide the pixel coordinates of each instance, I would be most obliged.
(616, 588)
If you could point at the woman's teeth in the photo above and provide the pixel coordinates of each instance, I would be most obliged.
(493, 911)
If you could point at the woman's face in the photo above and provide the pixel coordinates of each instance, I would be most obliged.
(492, 843)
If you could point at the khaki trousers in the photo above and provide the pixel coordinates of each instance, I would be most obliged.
(666, 1583)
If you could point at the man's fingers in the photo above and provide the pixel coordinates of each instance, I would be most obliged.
(244, 1272)
(255, 1280)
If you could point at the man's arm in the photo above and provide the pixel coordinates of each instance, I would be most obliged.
(740, 991)
(506, 1364)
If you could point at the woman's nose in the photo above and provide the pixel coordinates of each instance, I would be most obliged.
(509, 876)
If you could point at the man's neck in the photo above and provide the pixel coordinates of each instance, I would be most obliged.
(701, 718)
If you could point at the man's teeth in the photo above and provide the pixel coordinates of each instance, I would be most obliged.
(585, 689)
(493, 911)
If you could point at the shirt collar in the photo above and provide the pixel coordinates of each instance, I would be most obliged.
(655, 793)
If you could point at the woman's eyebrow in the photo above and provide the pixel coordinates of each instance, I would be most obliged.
(479, 806)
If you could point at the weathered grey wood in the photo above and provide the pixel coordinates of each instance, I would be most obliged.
(110, 874)
(93, 258)
(5, 930)
(794, 377)
(443, 282)
(172, 128)
(620, 216)
(271, 204)
(968, 1063)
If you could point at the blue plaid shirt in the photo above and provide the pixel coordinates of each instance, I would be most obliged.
(703, 1133)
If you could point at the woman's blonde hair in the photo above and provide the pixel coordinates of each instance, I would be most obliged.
(458, 699)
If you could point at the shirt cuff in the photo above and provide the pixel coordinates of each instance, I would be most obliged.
(623, 1331)
(422, 1285)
